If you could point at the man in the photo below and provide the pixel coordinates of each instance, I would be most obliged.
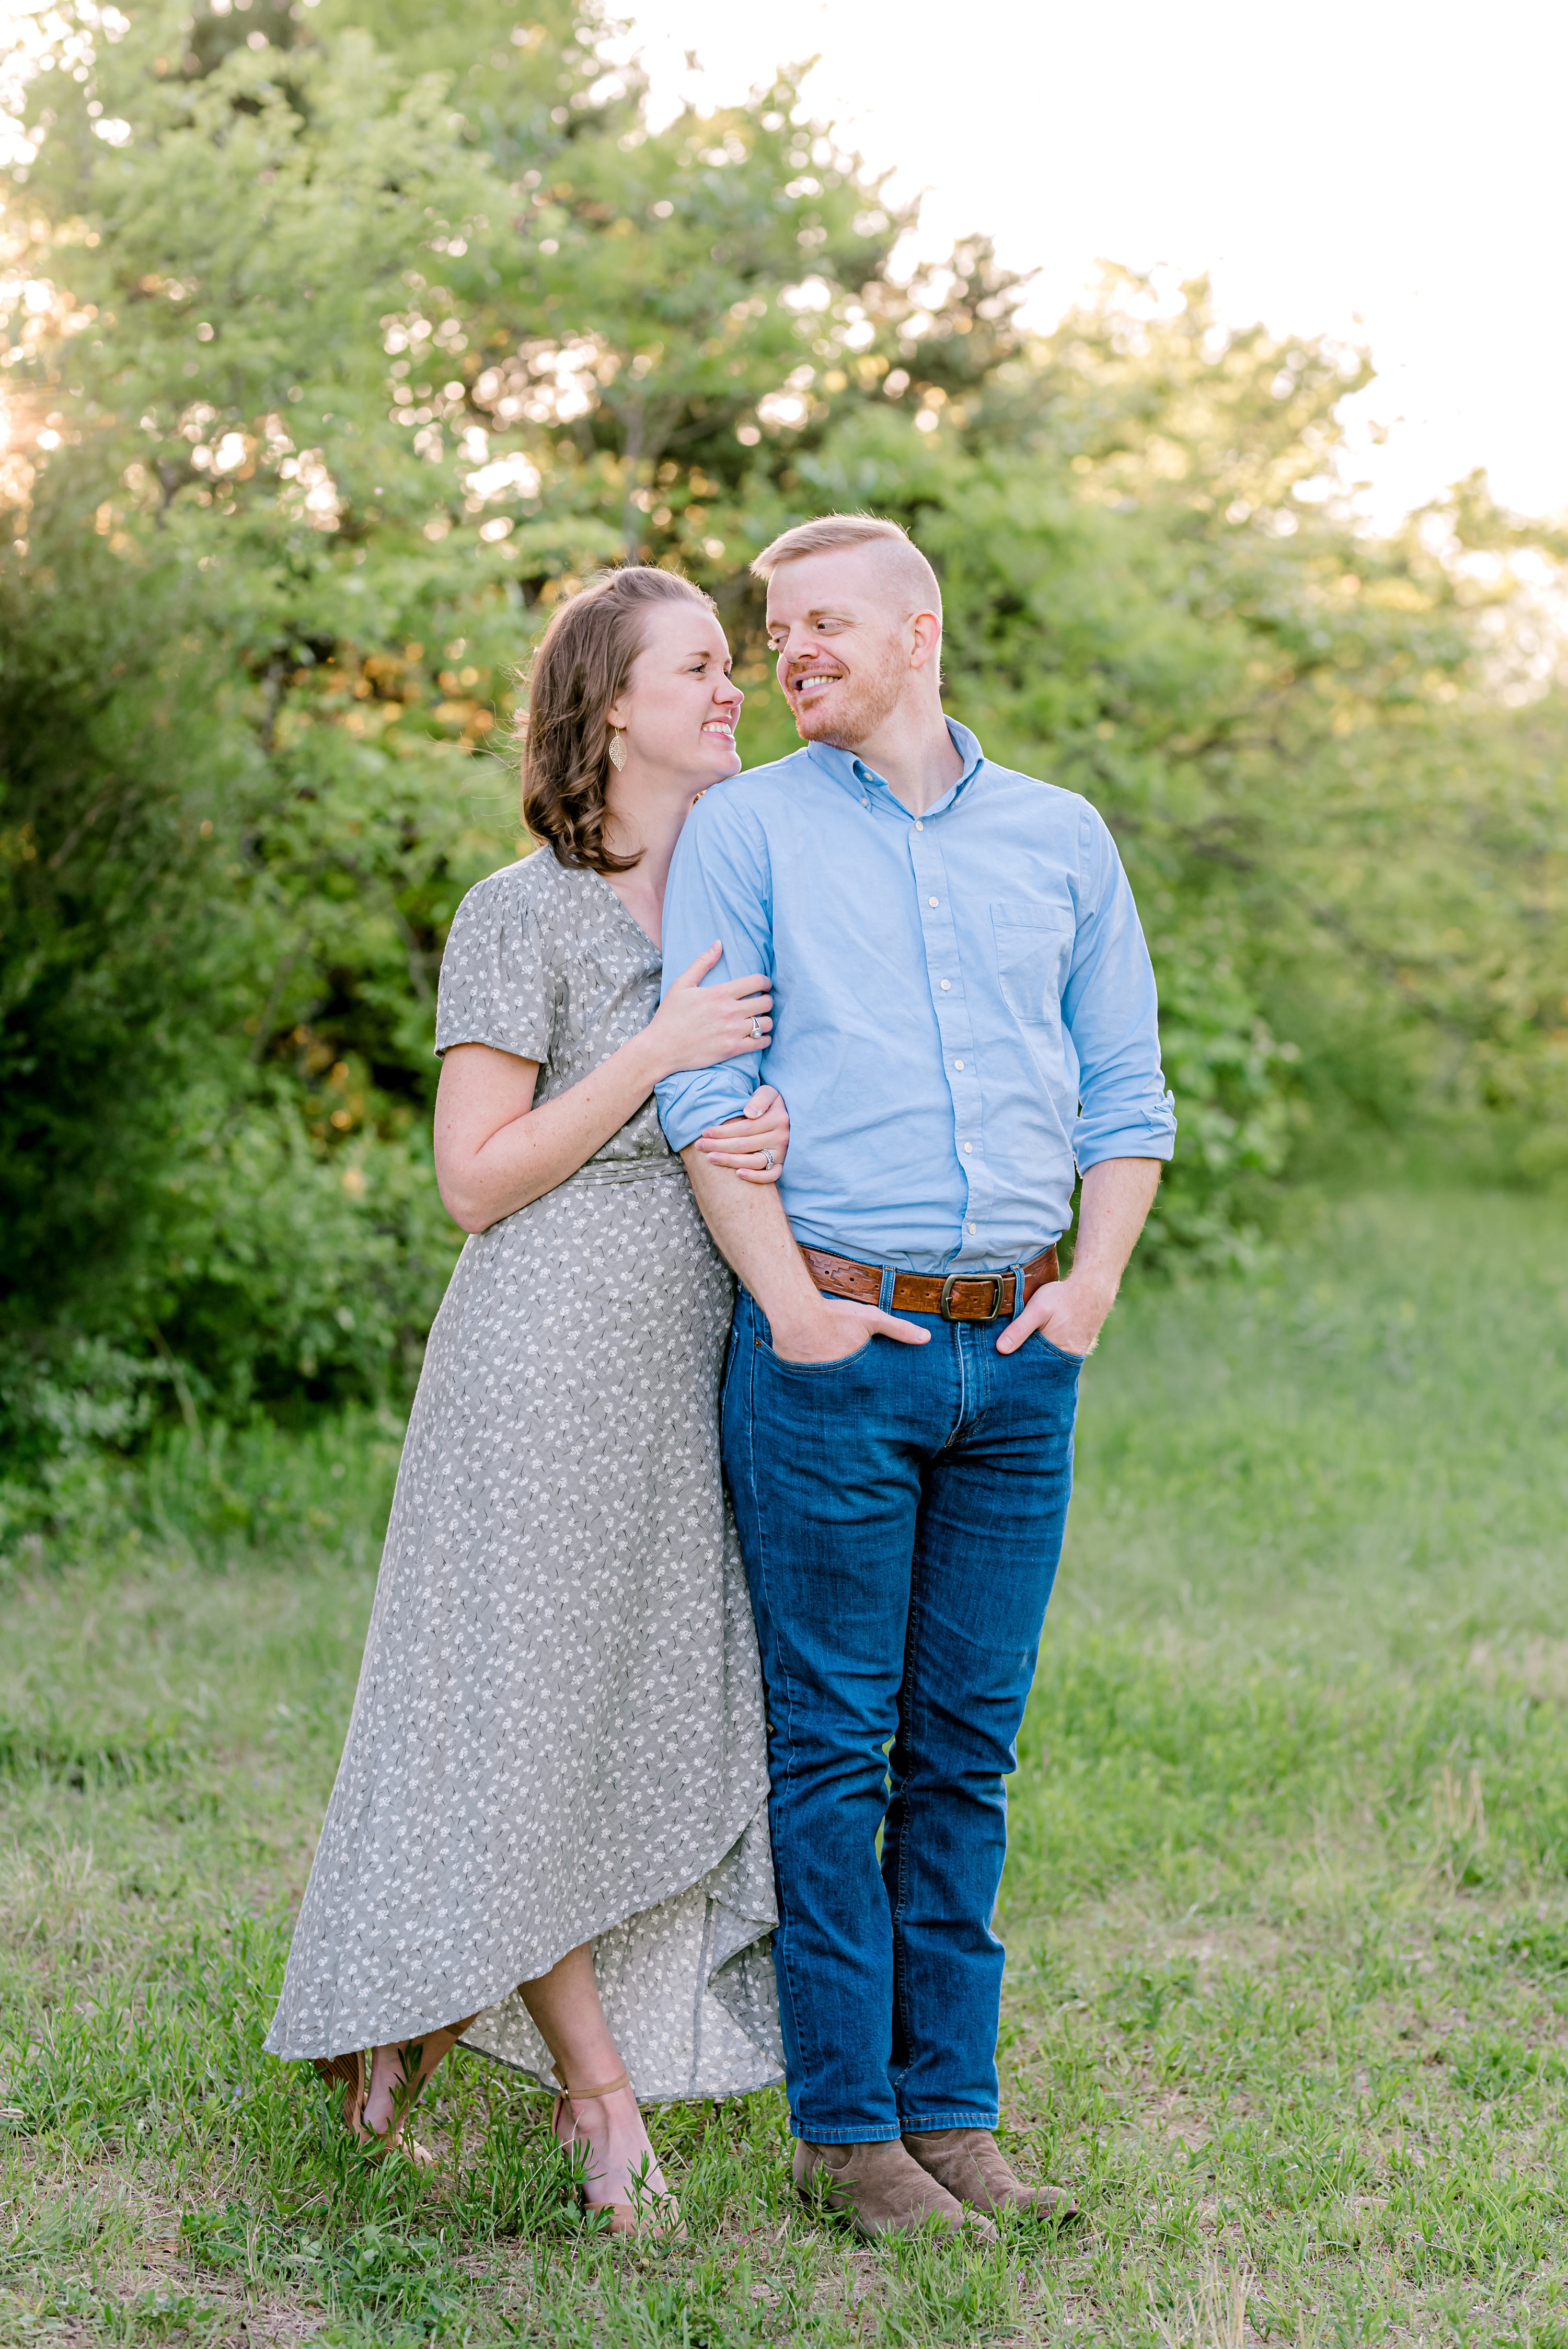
(963, 1007)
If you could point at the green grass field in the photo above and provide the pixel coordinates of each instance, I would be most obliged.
(1287, 1905)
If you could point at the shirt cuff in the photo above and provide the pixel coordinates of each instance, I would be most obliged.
(690, 1103)
(1152, 1134)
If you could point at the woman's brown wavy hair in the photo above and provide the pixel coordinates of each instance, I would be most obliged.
(584, 659)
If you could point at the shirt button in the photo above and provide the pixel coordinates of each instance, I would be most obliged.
(967, 1148)
(969, 1227)
(918, 825)
(931, 901)
(958, 1064)
(946, 985)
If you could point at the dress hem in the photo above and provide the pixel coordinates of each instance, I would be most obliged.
(485, 2003)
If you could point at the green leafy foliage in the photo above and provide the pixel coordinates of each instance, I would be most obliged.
(340, 341)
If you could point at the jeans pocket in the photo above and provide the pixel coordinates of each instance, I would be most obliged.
(812, 1369)
(1059, 1353)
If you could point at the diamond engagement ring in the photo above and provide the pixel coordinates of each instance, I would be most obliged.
(756, 1027)
(768, 1160)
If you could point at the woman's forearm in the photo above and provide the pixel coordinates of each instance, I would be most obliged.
(495, 1151)
(532, 1153)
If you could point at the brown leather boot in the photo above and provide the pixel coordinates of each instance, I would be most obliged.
(881, 2189)
(973, 2168)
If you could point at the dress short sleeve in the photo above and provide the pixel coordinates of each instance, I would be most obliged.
(497, 984)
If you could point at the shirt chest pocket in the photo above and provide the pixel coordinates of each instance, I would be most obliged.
(1034, 954)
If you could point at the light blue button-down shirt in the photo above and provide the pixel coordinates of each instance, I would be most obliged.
(963, 1005)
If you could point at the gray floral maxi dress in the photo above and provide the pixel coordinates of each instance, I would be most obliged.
(558, 1735)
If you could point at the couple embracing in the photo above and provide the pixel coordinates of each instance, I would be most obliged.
(696, 1585)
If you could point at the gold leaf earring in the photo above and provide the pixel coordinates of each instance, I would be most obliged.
(617, 748)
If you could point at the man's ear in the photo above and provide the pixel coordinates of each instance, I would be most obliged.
(925, 632)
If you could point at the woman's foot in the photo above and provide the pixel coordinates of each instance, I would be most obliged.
(397, 2077)
(621, 2173)
(387, 2098)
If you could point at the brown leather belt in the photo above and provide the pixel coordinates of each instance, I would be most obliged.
(956, 1296)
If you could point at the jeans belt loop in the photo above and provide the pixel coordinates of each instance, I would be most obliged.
(1017, 1291)
(884, 1295)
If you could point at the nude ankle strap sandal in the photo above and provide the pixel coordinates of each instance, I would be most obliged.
(423, 2056)
(603, 2088)
(354, 2072)
(626, 2217)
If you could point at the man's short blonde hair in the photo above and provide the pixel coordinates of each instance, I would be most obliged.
(829, 532)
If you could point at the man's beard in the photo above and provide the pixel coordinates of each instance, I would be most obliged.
(857, 713)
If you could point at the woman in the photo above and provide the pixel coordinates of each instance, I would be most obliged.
(548, 1837)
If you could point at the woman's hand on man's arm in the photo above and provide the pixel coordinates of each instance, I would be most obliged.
(697, 1027)
(754, 1143)
(495, 1151)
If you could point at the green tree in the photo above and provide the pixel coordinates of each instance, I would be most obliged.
(339, 340)
(347, 361)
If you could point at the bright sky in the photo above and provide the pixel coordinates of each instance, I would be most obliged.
(1391, 171)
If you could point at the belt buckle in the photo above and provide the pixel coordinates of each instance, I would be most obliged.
(995, 1279)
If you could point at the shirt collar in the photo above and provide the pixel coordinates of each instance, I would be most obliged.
(858, 779)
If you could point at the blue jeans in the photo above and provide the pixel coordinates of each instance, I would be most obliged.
(901, 1515)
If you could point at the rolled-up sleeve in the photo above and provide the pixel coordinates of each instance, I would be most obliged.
(1111, 1012)
(718, 888)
